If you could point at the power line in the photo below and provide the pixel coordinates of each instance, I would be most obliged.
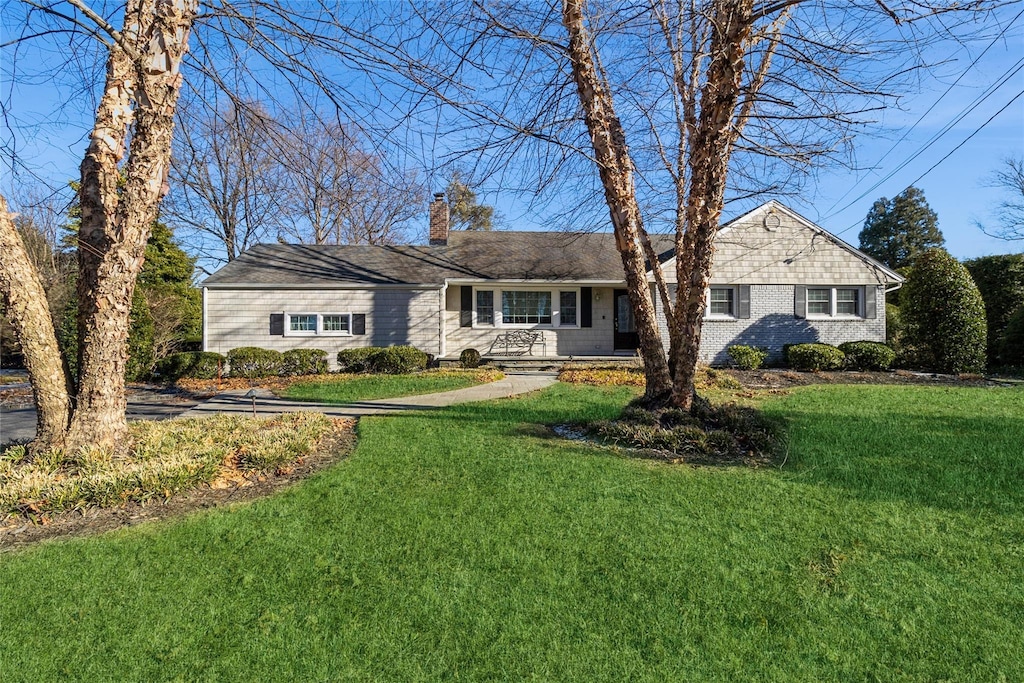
(950, 153)
(929, 110)
(978, 101)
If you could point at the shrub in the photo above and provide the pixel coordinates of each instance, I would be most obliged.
(867, 355)
(194, 365)
(893, 326)
(747, 357)
(1000, 279)
(943, 315)
(397, 360)
(252, 362)
(469, 358)
(1011, 350)
(815, 357)
(304, 362)
(354, 360)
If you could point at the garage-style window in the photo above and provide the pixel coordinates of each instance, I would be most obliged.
(302, 323)
(312, 324)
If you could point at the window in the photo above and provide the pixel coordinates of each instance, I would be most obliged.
(567, 309)
(310, 324)
(521, 307)
(485, 307)
(302, 323)
(835, 302)
(526, 308)
(337, 323)
(847, 301)
(819, 302)
(722, 302)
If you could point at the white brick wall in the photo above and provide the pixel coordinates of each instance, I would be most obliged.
(772, 324)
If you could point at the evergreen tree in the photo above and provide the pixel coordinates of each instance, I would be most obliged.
(897, 231)
(466, 212)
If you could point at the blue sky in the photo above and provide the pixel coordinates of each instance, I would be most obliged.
(955, 188)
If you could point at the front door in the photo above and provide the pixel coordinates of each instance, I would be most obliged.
(625, 327)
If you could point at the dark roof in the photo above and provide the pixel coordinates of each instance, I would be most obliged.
(472, 255)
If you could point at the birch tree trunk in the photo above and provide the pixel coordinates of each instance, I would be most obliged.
(709, 165)
(616, 171)
(114, 229)
(29, 313)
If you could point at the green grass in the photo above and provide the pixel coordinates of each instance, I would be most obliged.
(351, 388)
(468, 544)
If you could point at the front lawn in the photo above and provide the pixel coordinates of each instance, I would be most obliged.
(469, 543)
(351, 388)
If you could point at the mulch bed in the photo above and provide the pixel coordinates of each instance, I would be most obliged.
(19, 532)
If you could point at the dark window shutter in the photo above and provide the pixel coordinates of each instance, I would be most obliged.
(586, 308)
(743, 311)
(870, 309)
(800, 304)
(277, 324)
(358, 323)
(466, 309)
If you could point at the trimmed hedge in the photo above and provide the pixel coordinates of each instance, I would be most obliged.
(867, 355)
(1011, 350)
(747, 357)
(191, 365)
(944, 315)
(815, 357)
(1000, 279)
(469, 358)
(253, 362)
(355, 360)
(304, 362)
(397, 360)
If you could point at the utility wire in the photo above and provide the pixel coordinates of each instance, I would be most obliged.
(978, 101)
(950, 153)
(929, 110)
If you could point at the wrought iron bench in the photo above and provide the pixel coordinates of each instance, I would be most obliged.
(517, 342)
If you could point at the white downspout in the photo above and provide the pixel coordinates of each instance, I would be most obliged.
(205, 319)
(442, 345)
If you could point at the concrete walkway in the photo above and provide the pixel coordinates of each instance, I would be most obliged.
(267, 403)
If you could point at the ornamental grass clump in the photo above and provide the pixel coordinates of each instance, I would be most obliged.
(164, 458)
(711, 434)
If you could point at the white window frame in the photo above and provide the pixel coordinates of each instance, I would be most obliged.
(833, 307)
(319, 331)
(556, 303)
(721, 316)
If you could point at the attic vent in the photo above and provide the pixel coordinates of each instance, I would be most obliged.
(772, 222)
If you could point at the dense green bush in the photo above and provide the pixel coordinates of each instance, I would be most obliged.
(1000, 279)
(304, 362)
(469, 358)
(194, 365)
(747, 357)
(943, 315)
(1011, 350)
(397, 360)
(867, 355)
(355, 360)
(815, 357)
(893, 326)
(252, 362)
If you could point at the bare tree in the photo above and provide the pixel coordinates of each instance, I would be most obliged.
(227, 182)
(680, 102)
(341, 192)
(1008, 213)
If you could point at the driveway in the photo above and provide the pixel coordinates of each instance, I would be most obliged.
(18, 422)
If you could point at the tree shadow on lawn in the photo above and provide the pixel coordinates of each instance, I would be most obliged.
(958, 464)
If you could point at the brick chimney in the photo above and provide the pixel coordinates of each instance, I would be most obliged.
(439, 220)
